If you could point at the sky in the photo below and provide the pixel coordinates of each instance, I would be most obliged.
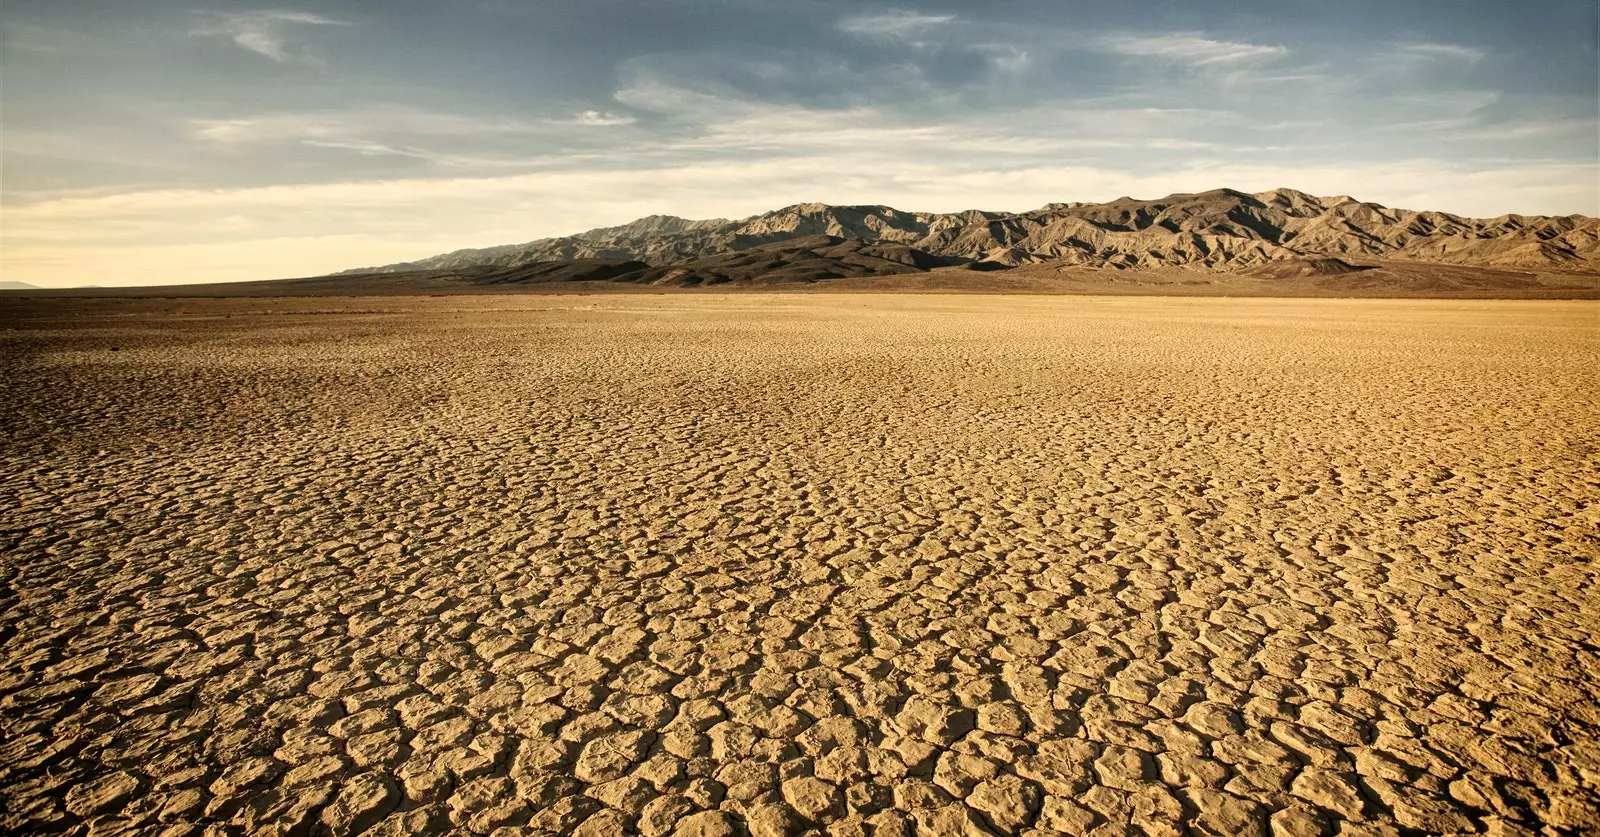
(159, 141)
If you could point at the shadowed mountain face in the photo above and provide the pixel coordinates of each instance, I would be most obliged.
(813, 258)
(1220, 229)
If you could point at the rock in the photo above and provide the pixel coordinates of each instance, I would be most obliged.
(813, 798)
(1424, 811)
(661, 814)
(425, 784)
(511, 814)
(1060, 766)
(933, 722)
(888, 823)
(1213, 719)
(1336, 792)
(628, 793)
(606, 823)
(954, 820)
(609, 757)
(706, 824)
(843, 766)
(375, 749)
(186, 804)
(959, 773)
(444, 735)
(1185, 770)
(102, 794)
(1226, 815)
(1122, 768)
(1065, 816)
(363, 800)
(770, 820)
(284, 810)
(320, 770)
(1156, 811)
(1324, 718)
(1008, 801)
(560, 816)
(1001, 718)
(1299, 820)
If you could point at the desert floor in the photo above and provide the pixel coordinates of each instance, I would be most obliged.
(859, 564)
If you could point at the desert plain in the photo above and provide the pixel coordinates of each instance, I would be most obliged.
(784, 564)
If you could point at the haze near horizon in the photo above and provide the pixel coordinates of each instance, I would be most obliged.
(183, 142)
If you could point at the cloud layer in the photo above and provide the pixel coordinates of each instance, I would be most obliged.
(266, 33)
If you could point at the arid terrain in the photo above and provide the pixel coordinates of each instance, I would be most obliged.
(702, 564)
(1280, 243)
(1216, 230)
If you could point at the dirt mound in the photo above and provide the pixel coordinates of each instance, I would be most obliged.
(585, 270)
(1304, 268)
(815, 258)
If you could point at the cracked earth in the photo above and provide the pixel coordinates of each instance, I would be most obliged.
(702, 565)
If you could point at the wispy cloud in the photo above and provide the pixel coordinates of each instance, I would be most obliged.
(600, 118)
(351, 126)
(1190, 48)
(449, 140)
(265, 32)
(1454, 52)
(894, 24)
(23, 37)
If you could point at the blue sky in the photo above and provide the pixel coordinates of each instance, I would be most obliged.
(166, 141)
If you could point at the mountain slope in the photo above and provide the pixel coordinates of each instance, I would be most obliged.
(1218, 230)
(813, 258)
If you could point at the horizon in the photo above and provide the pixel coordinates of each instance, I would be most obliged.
(918, 211)
(740, 219)
(229, 141)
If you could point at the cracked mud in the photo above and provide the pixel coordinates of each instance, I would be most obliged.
(704, 565)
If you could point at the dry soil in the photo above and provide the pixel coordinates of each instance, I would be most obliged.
(859, 564)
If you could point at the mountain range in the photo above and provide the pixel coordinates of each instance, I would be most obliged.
(1281, 232)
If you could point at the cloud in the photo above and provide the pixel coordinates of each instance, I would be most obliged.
(1454, 52)
(450, 140)
(353, 125)
(602, 118)
(440, 138)
(23, 37)
(368, 149)
(265, 32)
(1189, 48)
(894, 24)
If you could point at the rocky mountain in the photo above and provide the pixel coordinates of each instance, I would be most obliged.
(813, 258)
(1218, 230)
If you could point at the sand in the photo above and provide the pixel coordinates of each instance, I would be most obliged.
(854, 564)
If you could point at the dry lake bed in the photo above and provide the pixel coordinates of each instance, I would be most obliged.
(780, 564)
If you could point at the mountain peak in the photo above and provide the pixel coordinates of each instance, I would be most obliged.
(1216, 229)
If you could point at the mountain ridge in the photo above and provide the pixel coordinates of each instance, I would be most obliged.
(1220, 229)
